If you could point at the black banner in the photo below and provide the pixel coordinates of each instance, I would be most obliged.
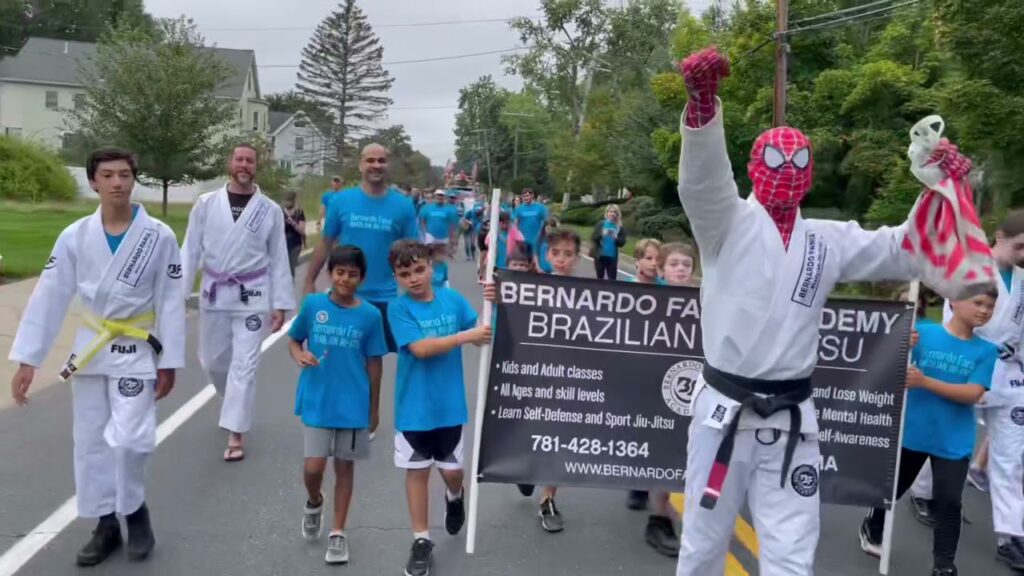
(590, 385)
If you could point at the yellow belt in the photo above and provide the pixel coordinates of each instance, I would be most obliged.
(136, 327)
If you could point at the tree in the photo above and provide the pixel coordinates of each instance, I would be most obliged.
(85, 20)
(341, 69)
(154, 94)
(480, 107)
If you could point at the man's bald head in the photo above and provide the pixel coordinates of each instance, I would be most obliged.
(373, 165)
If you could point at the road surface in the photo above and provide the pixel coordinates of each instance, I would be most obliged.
(214, 518)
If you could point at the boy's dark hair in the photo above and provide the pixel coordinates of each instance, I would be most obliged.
(102, 155)
(992, 292)
(564, 235)
(407, 252)
(504, 216)
(1013, 224)
(521, 252)
(481, 238)
(347, 256)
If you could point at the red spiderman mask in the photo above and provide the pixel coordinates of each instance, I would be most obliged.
(781, 167)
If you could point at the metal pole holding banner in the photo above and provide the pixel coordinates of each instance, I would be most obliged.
(482, 376)
(890, 517)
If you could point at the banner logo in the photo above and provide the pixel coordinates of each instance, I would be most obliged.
(174, 271)
(130, 387)
(51, 263)
(678, 385)
(253, 323)
(805, 480)
(321, 317)
(1017, 415)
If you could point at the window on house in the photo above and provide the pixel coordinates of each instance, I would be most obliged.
(300, 123)
(255, 121)
(300, 143)
(51, 99)
(79, 101)
(12, 131)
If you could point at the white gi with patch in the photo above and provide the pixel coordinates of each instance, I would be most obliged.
(113, 394)
(245, 275)
(762, 309)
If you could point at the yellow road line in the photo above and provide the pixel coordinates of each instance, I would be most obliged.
(743, 532)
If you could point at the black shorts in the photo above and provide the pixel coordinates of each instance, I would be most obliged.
(422, 449)
(388, 337)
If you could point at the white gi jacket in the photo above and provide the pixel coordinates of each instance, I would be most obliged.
(252, 249)
(143, 276)
(761, 303)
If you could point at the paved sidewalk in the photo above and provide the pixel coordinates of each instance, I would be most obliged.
(13, 299)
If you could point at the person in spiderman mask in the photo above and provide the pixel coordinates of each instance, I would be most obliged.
(767, 274)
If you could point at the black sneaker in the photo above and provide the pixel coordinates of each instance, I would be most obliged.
(140, 534)
(525, 489)
(923, 511)
(550, 517)
(661, 535)
(944, 571)
(106, 539)
(1012, 552)
(637, 500)
(420, 558)
(454, 513)
(870, 543)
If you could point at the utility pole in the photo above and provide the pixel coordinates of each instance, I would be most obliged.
(487, 152)
(515, 140)
(781, 52)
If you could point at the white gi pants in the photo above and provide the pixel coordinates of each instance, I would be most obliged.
(787, 523)
(115, 432)
(229, 350)
(1006, 468)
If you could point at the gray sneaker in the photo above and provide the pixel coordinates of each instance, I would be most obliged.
(550, 517)
(312, 519)
(978, 478)
(337, 549)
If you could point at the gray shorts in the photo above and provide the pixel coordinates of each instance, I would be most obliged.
(341, 444)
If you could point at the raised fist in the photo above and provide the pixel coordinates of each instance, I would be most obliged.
(702, 72)
(948, 157)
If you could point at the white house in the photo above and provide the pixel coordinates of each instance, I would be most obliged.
(42, 81)
(298, 145)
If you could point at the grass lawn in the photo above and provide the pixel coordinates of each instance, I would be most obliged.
(28, 231)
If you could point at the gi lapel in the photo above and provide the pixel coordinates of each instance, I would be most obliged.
(131, 260)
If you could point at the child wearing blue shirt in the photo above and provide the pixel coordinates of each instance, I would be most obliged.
(439, 250)
(952, 369)
(339, 389)
(430, 327)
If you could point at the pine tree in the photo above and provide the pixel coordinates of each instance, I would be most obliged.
(341, 69)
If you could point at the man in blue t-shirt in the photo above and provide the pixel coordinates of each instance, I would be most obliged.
(371, 217)
(325, 198)
(952, 370)
(435, 218)
(431, 325)
(338, 396)
(530, 218)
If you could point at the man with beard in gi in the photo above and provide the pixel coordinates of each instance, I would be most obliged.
(767, 273)
(236, 240)
(124, 267)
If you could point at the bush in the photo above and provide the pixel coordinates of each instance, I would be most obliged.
(30, 173)
(667, 225)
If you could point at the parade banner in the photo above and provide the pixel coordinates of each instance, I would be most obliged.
(591, 381)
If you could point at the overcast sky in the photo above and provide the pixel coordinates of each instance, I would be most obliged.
(240, 24)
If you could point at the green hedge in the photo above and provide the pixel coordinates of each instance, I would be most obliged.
(30, 173)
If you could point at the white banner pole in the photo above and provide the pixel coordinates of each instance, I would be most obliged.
(482, 376)
(890, 520)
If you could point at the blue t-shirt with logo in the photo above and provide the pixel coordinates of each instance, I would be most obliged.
(336, 394)
(437, 220)
(608, 247)
(114, 240)
(372, 223)
(440, 278)
(530, 219)
(933, 424)
(429, 392)
(542, 257)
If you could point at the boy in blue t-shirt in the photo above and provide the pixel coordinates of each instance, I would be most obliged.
(339, 389)
(430, 327)
(439, 253)
(530, 217)
(952, 370)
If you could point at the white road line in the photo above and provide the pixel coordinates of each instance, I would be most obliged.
(30, 545)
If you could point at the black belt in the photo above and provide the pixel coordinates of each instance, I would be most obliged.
(781, 395)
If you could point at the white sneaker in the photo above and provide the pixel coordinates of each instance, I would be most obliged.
(312, 520)
(337, 549)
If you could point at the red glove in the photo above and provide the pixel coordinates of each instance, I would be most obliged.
(950, 160)
(702, 72)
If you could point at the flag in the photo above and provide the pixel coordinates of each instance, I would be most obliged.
(943, 230)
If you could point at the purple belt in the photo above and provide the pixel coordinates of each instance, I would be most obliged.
(228, 279)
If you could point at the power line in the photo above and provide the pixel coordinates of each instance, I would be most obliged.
(420, 60)
(405, 25)
(843, 11)
(883, 12)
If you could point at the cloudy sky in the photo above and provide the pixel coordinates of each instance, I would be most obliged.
(425, 94)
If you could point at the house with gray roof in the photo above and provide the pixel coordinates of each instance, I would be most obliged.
(298, 144)
(41, 82)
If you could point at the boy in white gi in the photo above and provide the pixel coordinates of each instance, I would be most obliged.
(124, 268)
(338, 397)
(767, 275)
(236, 241)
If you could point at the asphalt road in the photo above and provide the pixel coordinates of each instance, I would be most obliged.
(215, 518)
